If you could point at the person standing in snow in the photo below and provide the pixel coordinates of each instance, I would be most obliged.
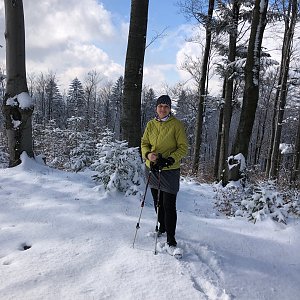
(163, 145)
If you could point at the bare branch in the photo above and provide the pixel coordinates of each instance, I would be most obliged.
(157, 36)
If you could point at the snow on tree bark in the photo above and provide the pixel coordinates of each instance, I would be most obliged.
(287, 50)
(202, 88)
(17, 116)
(252, 68)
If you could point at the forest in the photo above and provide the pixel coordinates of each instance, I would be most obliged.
(80, 218)
(256, 114)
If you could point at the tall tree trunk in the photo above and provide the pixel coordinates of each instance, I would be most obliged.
(228, 95)
(296, 159)
(273, 124)
(219, 137)
(260, 137)
(17, 112)
(272, 86)
(278, 91)
(274, 166)
(202, 89)
(252, 68)
(133, 78)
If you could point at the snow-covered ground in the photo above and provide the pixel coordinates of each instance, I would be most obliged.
(79, 241)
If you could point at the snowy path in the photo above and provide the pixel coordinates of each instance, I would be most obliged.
(80, 245)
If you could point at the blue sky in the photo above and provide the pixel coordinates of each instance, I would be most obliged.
(71, 38)
(161, 13)
(163, 16)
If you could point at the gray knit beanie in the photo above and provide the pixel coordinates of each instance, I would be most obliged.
(164, 99)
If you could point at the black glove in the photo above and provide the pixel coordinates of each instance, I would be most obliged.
(165, 162)
(162, 163)
(154, 167)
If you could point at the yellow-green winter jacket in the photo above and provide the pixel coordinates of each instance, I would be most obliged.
(165, 137)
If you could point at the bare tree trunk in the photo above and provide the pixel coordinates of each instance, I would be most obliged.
(17, 113)
(287, 24)
(264, 122)
(133, 78)
(202, 89)
(274, 166)
(260, 137)
(252, 68)
(273, 125)
(296, 160)
(228, 95)
(219, 137)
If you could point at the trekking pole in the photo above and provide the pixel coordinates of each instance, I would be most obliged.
(142, 206)
(157, 211)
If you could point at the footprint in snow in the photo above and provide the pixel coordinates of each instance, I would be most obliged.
(6, 263)
(205, 271)
(24, 246)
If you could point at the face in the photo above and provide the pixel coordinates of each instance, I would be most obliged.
(163, 110)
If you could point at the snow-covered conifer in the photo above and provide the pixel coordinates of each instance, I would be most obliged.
(82, 154)
(118, 167)
(264, 202)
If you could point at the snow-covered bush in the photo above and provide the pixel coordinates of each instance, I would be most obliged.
(228, 198)
(65, 149)
(82, 152)
(265, 201)
(257, 201)
(51, 141)
(292, 199)
(118, 167)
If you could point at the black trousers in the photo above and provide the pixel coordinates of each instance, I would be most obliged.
(167, 214)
